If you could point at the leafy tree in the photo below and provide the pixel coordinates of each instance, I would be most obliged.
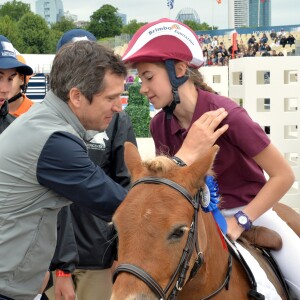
(132, 27)
(63, 25)
(35, 34)
(54, 37)
(205, 26)
(198, 26)
(139, 111)
(104, 22)
(14, 9)
(9, 29)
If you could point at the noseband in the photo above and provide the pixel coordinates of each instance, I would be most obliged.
(192, 242)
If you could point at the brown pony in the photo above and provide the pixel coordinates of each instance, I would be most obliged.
(168, 248)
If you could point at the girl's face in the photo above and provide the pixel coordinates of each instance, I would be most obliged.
(155, 83)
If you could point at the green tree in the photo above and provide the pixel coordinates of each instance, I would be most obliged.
(104, 22)
(139, 111)
(198, 26)
(53, 38)
(35, 34)
(132, 27)
(63, 25)
(205, 26)
(14, 9)
(9, 29)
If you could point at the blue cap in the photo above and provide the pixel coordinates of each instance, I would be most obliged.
(75, 35)
(8, 59)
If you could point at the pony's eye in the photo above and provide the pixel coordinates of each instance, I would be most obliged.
(177, 233)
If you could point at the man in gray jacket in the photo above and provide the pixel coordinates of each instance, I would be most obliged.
(44, 163)
(84, 248)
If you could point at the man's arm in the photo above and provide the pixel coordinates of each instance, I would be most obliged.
(65, 168)
(122, 132)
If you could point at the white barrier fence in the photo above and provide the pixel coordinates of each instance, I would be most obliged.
(269, 89)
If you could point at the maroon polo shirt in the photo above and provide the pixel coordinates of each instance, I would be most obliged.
(238, 176)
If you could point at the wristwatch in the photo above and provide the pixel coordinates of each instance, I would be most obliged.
(243, 220)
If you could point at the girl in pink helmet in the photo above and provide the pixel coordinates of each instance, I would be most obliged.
(167, 55)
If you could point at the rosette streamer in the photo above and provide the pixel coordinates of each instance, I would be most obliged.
(210, 200)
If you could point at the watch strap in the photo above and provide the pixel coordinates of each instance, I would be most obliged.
(246, 226)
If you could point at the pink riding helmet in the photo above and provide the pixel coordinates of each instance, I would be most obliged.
(163, 40)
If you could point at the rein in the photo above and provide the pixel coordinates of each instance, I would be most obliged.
(183, 266)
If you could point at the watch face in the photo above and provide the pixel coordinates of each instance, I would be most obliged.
(243, 220)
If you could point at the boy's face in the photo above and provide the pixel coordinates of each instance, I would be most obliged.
(7, 78)
(16, 85)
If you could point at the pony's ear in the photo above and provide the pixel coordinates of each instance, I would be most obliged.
(133, 160)
(198, 170)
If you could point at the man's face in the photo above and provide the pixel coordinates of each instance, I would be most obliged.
(98, 114)
(7, 78)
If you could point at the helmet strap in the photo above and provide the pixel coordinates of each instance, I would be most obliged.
(14, 98)
(23, 88)
(175, 82)
(24, 85)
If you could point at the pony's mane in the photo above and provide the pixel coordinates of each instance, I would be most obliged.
(160, 165)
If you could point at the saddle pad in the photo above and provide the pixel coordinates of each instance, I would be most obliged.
(264, 285)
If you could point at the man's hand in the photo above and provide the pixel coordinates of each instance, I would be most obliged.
(202, 135)
(64, 288)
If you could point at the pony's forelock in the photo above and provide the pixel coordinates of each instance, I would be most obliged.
(159, 165)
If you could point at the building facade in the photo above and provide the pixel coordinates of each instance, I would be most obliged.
(249, 13)
(51, 10)
(259, 13)
(238, 13)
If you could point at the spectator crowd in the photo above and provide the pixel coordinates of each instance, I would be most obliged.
(216, 53)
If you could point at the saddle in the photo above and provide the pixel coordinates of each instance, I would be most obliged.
(264, 240)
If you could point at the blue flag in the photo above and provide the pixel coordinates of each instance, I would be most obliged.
(170, 3)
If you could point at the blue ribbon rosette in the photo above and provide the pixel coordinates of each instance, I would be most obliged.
(210, 201)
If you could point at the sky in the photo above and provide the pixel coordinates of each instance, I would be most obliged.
(285, 12)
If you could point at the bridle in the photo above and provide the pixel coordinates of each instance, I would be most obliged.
(183, 266)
